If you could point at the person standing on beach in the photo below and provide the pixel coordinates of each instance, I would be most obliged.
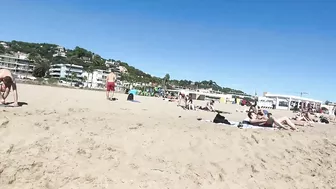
(8, 82)
(110, 85)
(182, 96)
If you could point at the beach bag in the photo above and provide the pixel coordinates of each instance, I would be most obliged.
(324, 120)
(221, 119)
(130, 97)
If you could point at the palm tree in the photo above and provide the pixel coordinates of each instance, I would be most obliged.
(196, 84)
(72, 61)
(73, 76)
(166, 80)
(90, 70)
(210, 83)
(85, 78)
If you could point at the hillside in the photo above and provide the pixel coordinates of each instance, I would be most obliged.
(42, 55)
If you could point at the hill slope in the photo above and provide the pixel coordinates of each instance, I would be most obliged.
(42, 54)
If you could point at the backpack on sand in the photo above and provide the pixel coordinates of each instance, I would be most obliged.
(221, 119)
(130, 97)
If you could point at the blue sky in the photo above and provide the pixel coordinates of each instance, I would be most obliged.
(279, 46)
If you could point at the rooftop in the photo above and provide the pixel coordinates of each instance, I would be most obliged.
(292, 97)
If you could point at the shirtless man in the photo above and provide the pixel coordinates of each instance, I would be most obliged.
(110, 85)
(8, 82)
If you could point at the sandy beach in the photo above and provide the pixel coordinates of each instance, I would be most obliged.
(72, 138)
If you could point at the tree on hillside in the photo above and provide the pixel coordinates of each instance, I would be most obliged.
(45, 52)
(210, 83)
(90, 70)
(327, 102)
(73, 77)
(80, 52)
(41, 68)
(60, 60)
(166, 80)
(2, 49)
(196, 84)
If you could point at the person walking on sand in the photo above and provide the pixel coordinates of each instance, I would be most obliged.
(8, 82)
(110, 85)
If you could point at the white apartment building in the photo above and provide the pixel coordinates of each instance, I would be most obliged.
(66, 71)
(123, 70)
(60, 51)
(4, 45)
(17, 64)
(97, 78)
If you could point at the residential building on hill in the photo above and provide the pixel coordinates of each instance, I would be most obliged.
(4, 45)
(19, 65)
(123, 70)
(86, 59)
(60, 51)
(66, 71)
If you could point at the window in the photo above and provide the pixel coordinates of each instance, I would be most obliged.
(283, 103)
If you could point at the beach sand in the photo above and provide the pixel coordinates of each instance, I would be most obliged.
(72, 138)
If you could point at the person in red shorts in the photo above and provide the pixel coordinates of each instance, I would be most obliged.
(110, 85)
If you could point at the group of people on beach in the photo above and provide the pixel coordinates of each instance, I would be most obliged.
(189, 105)
(258, 117)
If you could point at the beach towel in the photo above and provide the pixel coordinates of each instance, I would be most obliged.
(242, 125)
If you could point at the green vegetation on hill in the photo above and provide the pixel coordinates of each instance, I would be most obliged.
(42, 55)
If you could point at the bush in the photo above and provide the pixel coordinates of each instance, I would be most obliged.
(52, 81)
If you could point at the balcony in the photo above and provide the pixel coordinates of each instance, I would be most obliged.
(55, 73)
(54, 69)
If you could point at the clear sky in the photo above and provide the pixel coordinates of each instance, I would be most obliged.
(279, 46)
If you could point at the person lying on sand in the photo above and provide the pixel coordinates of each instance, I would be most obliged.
(270, 121)
(8, 82)
(296, 122)
(209, 106)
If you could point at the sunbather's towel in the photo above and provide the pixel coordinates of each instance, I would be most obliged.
(244, 125)
(248, 126)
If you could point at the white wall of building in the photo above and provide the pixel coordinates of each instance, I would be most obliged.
(97, 78)
(65, 70)
(284, 102)
(60, 51)
(19, 66)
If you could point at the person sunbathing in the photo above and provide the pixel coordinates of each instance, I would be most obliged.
(210, 106)
(269, 121)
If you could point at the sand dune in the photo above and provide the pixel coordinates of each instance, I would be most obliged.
(68, 138)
